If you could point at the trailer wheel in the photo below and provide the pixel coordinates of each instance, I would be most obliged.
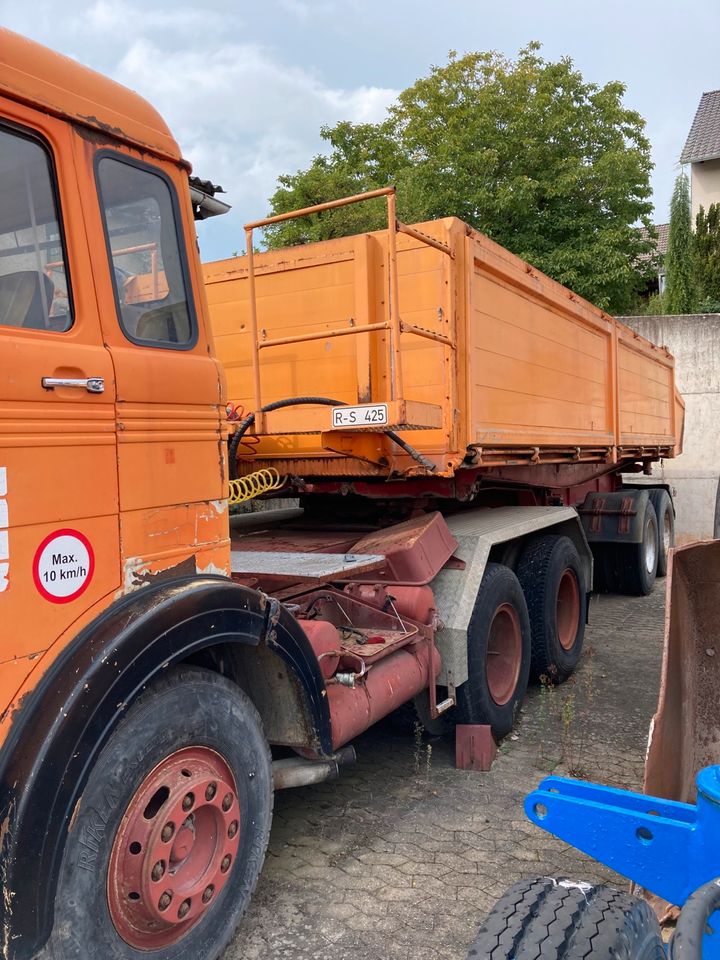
(638, 562)
(498, 653)
(665, 515)
(553, 581)
(170, 834)
(546, 919)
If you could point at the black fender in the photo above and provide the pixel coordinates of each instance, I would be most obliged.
(61, 726)
(615, 517)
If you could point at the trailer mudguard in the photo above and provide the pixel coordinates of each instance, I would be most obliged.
(60, 728)
(614, 517)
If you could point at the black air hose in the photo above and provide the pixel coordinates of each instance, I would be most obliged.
(245, 424)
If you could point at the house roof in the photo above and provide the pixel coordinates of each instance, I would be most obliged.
(662, 240)
(661, 243)
(703, 142)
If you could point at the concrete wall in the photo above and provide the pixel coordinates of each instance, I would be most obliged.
(695, 475)
(704, 185)
(695, 343)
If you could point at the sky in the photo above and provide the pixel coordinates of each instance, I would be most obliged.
(245, 87)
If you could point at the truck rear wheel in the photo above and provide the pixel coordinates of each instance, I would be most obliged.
(553, 581)
(665, 515)
(171, 830)
(498, 653)
(546, 919)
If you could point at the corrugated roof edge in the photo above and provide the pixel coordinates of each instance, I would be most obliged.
(36, 75)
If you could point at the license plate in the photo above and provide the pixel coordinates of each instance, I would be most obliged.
(372, 415)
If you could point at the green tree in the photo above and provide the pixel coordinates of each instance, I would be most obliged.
(707, 258)
(554, 168)
(680, 290)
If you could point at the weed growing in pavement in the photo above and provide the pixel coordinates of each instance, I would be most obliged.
(564, 714)
(417, 753)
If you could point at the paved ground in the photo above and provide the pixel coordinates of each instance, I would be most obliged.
(403, 856)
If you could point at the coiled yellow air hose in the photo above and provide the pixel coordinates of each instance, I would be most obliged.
(254, 485)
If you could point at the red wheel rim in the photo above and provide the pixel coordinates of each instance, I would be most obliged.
(174, 848)
(568, 609)
(504, 654)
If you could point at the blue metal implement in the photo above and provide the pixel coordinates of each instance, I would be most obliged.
(666, 847)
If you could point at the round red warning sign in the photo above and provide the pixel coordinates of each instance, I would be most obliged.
(63, 566)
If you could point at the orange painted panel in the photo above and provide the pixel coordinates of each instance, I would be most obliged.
(533, 364)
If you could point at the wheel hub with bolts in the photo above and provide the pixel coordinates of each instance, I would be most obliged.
(504, 654)
(568, 609)
(174, 848)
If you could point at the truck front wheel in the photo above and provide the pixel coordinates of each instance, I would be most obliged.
(170, 834)
(498, 653)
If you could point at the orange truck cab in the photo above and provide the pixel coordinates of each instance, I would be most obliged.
(164, 666)
(114, 542)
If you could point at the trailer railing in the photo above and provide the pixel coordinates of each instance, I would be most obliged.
(394, 324)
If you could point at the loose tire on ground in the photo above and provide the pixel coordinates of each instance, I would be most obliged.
(498, 653)
(547, 919)
(191, 747)
(553, 580)
(665, 515)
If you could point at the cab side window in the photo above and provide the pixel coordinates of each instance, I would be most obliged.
(147, 256)
(34, 291)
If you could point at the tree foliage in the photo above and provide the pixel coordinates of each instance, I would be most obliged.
(707, 258)
(554, 168)
(680, 289)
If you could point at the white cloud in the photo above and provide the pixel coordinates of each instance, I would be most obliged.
(112, 15)
(241, 116)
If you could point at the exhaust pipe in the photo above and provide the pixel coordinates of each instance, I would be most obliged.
(297, 772)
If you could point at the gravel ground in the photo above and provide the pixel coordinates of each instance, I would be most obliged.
(403, 856)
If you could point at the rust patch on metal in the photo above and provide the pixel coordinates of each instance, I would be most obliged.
(626, 511)
(187, 567)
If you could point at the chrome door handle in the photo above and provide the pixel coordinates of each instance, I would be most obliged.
(91, 384)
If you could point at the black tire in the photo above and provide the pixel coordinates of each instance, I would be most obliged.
(665, 515)
(629, 567)
(638, 561)
(547, 919)
(553, 581)
(499, 636)
(190, 708)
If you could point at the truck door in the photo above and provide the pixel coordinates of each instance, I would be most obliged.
(58, 471)
(171, 453)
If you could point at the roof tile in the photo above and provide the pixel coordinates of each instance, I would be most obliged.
(703, 142)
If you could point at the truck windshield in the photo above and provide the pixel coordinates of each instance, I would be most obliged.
(147, 260)
(33, 285)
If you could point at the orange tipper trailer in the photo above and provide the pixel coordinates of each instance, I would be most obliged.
(434, 330)
(154, 652)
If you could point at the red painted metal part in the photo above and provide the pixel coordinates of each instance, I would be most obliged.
(503, 657)
(324, 640)
(174, 849)
(539, 484)
(415, 603)
(475, 748)
(568, 609)
(387, 685)
(415, 550)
